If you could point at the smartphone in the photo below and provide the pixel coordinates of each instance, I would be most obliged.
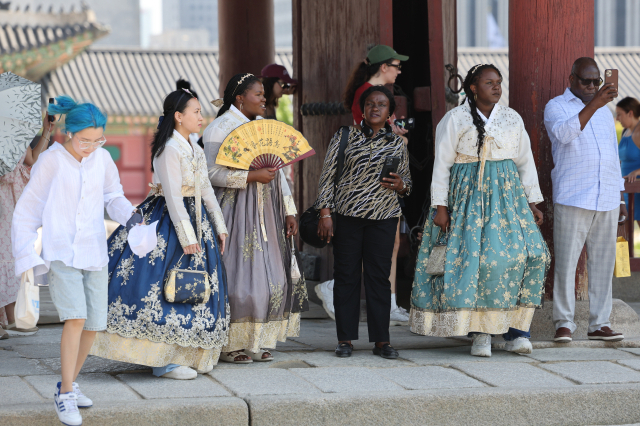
(611, 76)
(405, 123)
(134, 220)
(390, 166)
(52, 118)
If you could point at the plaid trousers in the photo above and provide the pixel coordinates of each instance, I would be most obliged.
(572, 228)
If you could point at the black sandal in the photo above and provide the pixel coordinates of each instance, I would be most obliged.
(343, 350)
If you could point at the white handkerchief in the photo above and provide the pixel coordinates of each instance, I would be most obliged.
(143, 238)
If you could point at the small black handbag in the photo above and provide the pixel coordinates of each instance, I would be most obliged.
(309, 219)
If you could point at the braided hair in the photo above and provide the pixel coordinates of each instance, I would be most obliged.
(175, 101)
(238, 85)
(472, 78)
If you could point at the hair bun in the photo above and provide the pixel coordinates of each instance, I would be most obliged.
(183, 84)
(64, 104)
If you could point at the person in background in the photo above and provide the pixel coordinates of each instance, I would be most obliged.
(276, 82)
(628, 114)
(177, 339)
(587, 199)
(70, 187)
(367, 214)
(381, 66)
(11, 186)
(484, 193)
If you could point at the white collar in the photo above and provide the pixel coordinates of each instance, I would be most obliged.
(240, 115)
(486, 120)
(177, 136)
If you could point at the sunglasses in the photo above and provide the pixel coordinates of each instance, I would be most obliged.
(284, 85)
(399, 66)
(597, 82)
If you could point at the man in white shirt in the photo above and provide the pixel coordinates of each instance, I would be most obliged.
(586, 195)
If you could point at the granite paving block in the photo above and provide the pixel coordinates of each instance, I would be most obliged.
(279, 359)
(579, 354)
(358, 359)
(95, 364)
(594, 372)
(22, 367)
(635, 351)
(632, 363)
(273, 381)
(429, 377)
(98, 387)
(152, 387)
(14, 391)
(512, 374)
(6, 354)
(455, 355)
(346, 379)
(39, 351)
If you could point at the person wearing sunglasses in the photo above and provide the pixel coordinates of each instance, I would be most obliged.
(70, 187)
(276, 82)
(588, 204)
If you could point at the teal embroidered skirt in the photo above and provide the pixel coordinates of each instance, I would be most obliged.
(496, 258)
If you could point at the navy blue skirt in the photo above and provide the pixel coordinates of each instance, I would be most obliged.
(137, 307)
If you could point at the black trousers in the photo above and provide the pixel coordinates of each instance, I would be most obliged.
(362, 245)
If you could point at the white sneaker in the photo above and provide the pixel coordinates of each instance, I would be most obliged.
(83, 400)
(181, 373)
(481, 345)
(325, 293)
(399, 316)
(67, 408)
(521, 345)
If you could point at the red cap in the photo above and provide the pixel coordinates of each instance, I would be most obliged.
(275, 70)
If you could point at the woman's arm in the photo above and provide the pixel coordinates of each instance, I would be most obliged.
(119, 208)
(221, 176)
(33, 154)
(527, 168)
(446, 152)
(326, 185)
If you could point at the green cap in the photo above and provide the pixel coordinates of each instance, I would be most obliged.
(381, 53)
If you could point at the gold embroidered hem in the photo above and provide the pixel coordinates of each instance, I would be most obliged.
(144, 352)
(237, 179)
(186, 234)
(460, 323)
(255, 336)
(289, 206)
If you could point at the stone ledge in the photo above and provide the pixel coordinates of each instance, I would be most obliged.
(224, 411)
(603, 404)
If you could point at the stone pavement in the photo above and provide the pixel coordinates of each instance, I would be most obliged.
(436, 381)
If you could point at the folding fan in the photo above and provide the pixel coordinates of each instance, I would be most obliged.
(263, 143)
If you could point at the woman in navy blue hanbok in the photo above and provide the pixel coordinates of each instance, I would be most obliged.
(143, 327)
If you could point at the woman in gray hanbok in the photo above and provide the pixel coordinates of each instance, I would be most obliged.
(266, 301)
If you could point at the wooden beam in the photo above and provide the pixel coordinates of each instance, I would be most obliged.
(386, 22)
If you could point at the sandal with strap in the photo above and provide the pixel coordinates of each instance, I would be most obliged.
(232, 357)
(259, 356)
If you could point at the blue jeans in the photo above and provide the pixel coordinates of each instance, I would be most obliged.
(159, 371)
(513, 334)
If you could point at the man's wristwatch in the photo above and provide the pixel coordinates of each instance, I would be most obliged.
(622, 202)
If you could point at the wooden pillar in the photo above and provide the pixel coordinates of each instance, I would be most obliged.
(545, 37)
(246, 37)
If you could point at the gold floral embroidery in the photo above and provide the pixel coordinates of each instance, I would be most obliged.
(228, 197)
(207, 232)
(185, 232)
(275, 301)
(125, 269)
(300, 292)
(159, 251)
(253, 336)
(250, 245)
(237, 179)
(207, 331)
(119, 241)
(289, 206)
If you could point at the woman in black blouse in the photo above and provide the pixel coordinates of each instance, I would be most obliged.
(367, 213)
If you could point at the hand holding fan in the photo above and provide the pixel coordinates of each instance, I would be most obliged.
(263, 143)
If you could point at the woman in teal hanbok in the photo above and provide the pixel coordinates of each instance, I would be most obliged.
(484, 193)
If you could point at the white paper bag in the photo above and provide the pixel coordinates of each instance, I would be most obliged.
(143, 238)
(27, 309)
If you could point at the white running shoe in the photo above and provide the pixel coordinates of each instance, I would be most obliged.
(481, 345)
(67, 407)
(325, 293)
(181, 373)
(83, 400)
(521, 345)
(399, 316)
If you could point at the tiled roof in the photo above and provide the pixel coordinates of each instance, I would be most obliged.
(27, 29)
(134, 82)
(624, 59)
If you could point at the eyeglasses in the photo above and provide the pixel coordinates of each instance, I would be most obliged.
(284, 85)
(399, 66)
(85, 145)
(597, 82)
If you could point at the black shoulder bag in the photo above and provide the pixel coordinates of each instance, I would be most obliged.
(310, 218)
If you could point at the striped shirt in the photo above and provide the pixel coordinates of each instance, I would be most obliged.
(587, 167)
(359, 193)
